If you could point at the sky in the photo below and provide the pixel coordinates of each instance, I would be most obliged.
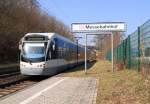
(133, 12)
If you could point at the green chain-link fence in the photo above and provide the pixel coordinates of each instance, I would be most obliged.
(134, 51)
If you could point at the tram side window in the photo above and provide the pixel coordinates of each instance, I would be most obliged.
(53, 50)
(60, 51)
(67, 53)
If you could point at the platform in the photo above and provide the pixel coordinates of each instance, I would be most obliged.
(57, 90)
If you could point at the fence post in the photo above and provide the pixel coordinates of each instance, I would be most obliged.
(139, 49)
(129, 52)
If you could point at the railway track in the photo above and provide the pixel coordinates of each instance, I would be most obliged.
(9, 74)
(16, 82)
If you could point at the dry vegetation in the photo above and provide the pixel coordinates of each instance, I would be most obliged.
(120, 87)
(18, 17)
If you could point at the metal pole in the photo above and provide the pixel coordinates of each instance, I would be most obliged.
(77, 40)
(77, 51)
(85, 53)
(112, 52)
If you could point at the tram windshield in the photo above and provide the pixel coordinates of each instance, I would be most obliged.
(33, 52)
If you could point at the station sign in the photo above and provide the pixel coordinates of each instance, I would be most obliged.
(98, 27)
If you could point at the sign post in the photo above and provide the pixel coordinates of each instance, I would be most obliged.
(98, 28)
(85, 53)
(112, 51)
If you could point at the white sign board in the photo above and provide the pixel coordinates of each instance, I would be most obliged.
(98, 27)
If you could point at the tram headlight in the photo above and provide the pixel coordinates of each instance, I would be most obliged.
(22, 65)
(41, 66)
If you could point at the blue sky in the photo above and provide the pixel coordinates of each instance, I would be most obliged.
(133, 12)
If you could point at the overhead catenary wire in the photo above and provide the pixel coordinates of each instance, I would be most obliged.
(60, 10)
(44, 9)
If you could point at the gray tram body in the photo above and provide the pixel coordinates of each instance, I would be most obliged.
(48, 54)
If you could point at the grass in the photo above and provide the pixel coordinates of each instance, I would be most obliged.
(119, 87)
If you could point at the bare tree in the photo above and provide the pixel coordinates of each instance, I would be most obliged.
(19, 17)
